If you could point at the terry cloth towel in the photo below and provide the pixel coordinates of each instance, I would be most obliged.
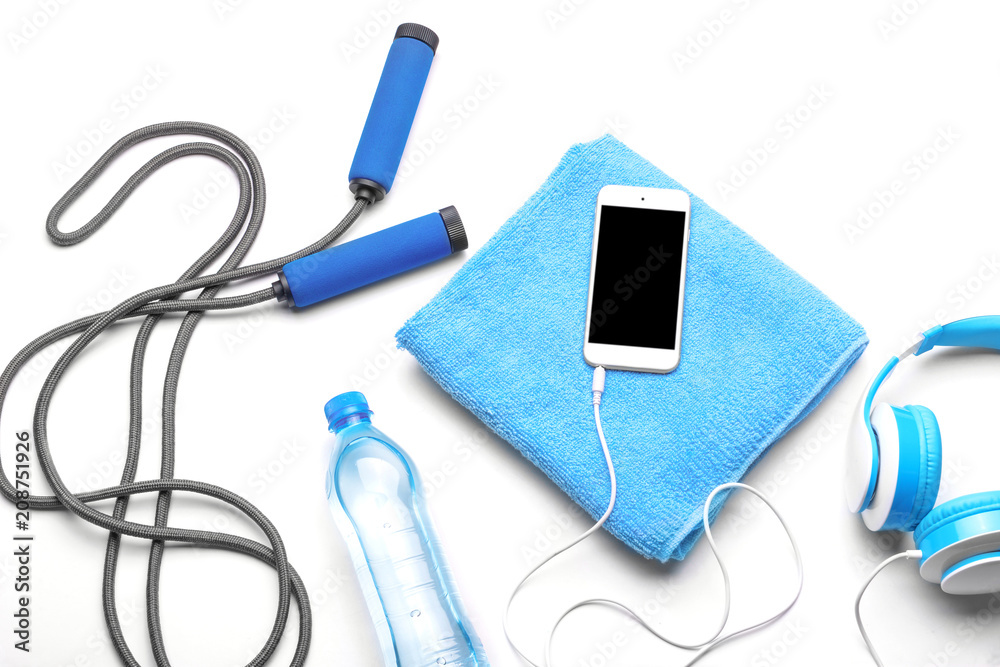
(760, 349)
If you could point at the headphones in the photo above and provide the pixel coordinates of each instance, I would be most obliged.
(894, 473)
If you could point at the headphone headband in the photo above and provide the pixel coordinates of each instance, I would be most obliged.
(982, 331)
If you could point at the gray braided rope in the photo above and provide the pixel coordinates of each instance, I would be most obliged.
(153, 304)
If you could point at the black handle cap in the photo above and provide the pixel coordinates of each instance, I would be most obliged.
(417, 31)
(456, 231)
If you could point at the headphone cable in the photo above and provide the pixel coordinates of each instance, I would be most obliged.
(909, 555)
(717, 637)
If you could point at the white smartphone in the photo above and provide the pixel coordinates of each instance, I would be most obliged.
(636, 299)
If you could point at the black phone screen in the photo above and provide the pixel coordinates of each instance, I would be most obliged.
(637, 277)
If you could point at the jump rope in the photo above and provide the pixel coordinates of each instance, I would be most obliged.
(304, 277)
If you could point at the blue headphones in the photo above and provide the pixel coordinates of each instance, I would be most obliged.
(894, 473)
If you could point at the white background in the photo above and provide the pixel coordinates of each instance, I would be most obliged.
(253, 386)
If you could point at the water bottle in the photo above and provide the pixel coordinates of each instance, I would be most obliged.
(377, 501)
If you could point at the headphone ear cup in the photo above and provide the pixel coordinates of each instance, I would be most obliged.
(909, 470)
(931, 455)
(883, 421)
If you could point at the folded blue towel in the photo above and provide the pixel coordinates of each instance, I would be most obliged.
(761, 348)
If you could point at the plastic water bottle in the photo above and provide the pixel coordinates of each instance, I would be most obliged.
(376, 498)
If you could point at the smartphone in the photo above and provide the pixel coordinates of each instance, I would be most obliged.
(635, 302)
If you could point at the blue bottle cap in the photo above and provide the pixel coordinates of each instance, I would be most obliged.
(345, 405)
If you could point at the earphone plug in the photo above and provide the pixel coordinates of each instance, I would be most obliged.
(598, 386)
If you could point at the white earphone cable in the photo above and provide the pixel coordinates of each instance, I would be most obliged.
(909, 555)
(717, 637)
